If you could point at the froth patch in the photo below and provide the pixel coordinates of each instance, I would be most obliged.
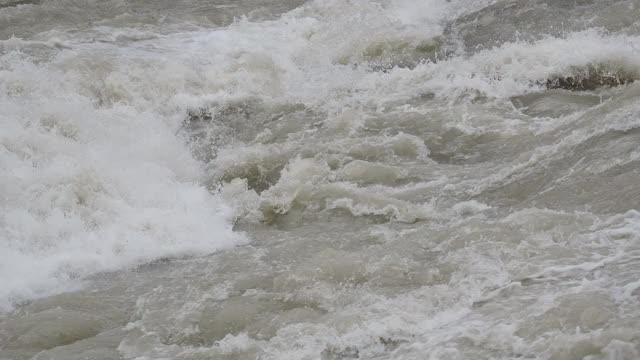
(582, 60)
(90, 186)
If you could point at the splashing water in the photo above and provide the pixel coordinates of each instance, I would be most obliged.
(319, 180)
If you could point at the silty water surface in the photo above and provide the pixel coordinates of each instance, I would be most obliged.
(319, 180)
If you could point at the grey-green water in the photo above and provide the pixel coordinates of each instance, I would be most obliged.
(324, 180)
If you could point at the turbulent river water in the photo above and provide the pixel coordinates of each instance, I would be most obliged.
(326, 179)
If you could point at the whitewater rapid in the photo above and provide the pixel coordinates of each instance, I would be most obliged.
(325, 180)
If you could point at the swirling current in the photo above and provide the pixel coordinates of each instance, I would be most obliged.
(320, 180)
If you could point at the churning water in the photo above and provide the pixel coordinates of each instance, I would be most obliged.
(330, 179)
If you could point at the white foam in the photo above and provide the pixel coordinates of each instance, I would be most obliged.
(521, 67)
(94, 177)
